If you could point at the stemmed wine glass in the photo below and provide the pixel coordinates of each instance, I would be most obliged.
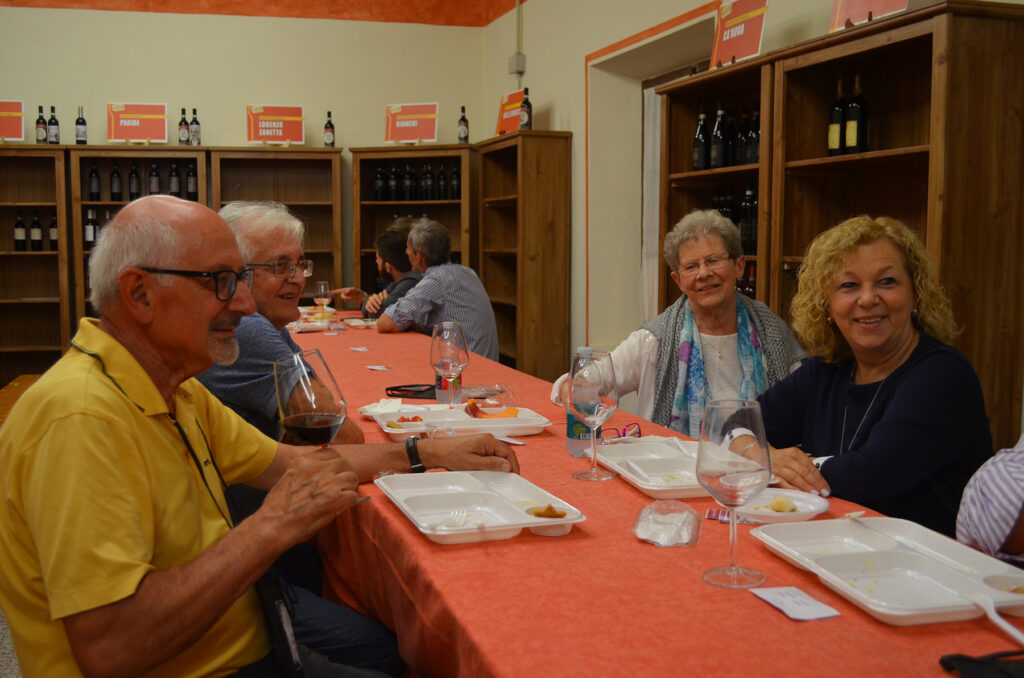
(733, 465)
(322, 297)
(593, 397)
(448, 354)
(311, 405)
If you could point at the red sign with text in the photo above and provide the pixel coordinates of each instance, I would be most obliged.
(411, 123)
(274, 124)
(508, 112)
(12, 121)
(137, 122)
(739, 32)
(856, 11)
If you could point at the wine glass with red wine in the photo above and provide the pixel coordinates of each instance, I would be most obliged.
(308, 398)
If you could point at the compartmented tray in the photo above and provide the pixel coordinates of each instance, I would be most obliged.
(896, 570)
(457, 422)
(658, 469)
(457, 507)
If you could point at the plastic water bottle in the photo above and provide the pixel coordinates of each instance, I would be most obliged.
(577, 435)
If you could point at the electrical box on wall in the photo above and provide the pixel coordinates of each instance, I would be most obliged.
(517, 64)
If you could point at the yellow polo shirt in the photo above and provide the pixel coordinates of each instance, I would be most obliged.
(97, 489)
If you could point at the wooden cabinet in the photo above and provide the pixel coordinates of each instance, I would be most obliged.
(34, 309)
(945, 157)
(308, 181)
(525, 182)
(104, 160)
(373, 212)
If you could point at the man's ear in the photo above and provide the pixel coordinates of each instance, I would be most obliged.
(135, 289)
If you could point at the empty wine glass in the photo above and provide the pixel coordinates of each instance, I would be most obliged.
(448, 354)
(308, 398)
(593, 397)
(322, 297)
(733, 465)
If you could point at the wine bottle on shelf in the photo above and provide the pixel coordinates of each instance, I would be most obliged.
(53, 127)
(455, 183)
(837, 121)
(115, 184)
(41, 127)
(380, 184)
(35, 234)
(134, 183)
(856, 137)
(93, 182)
(174, 181)
(192, 183)
(739, 149)
(463, 127)
(393, 182)
(408, 184)
(20, 234)
(154, 180)
(329, 132)
(81, 133)
(748, 222)
(700, 142)
(729, 132)
(754, 137)
(717, 157)
(526, 111)
(441, 184)
(427, 182)
(54, 234)
(89, 230)
(183, 133)
(194, 130)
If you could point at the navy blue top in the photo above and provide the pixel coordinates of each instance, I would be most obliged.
(920, 441)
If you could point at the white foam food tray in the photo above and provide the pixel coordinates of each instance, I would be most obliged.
(657, 469)
(896, 570)
(457, 507)
(457, 422)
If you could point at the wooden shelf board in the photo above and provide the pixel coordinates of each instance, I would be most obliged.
(31, 300)
(857, 158)
(717, 172)
(29, 349)
(501, 201)
(50, 204)
(15, 253)
(503, 302)
(412, 202)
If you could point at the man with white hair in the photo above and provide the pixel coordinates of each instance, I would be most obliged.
(119, 555)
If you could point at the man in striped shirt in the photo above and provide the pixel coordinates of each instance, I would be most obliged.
(990, 511)
(447, 291)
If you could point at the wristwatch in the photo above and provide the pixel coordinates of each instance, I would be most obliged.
(413, 452)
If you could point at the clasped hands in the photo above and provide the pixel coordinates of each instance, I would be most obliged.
(795, 470)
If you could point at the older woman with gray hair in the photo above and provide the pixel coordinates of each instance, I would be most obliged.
(712, 343)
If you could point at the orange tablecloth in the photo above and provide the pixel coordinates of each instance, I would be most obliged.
(596, 602)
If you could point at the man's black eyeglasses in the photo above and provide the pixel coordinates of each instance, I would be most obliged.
(227, 281)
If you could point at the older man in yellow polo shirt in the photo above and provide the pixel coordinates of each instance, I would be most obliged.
(119, 557)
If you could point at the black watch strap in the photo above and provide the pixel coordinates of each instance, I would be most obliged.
(413, 451)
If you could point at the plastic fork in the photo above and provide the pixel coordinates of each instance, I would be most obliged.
(984, 601)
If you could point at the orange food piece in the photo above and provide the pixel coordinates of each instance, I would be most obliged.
(417, 418)
(474, 410)
(548, 511)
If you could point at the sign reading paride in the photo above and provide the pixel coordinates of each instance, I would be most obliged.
(274, 124)
(856, 11)
(12, 121)
(137, 122)
(410, 123)
(508, 112)
(739, 32)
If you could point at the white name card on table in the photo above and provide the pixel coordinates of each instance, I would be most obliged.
(795, 603)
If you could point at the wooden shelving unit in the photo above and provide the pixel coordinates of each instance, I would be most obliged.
(34, 293)
(81, 159)
(525, 181)
(370, 216)
(308, 181)
(944, 157)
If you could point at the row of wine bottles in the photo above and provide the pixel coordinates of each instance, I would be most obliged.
(743, 214)
(91, 229)
(190, 133)
(48, 130)
(426, 185)
(725, 144)
(848, 121)
(154, 183)
(31, 238)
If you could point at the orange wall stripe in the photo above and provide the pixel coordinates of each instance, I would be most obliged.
(709, 8)
(434, 12)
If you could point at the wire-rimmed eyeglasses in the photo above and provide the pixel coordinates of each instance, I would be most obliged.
(285, 268)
